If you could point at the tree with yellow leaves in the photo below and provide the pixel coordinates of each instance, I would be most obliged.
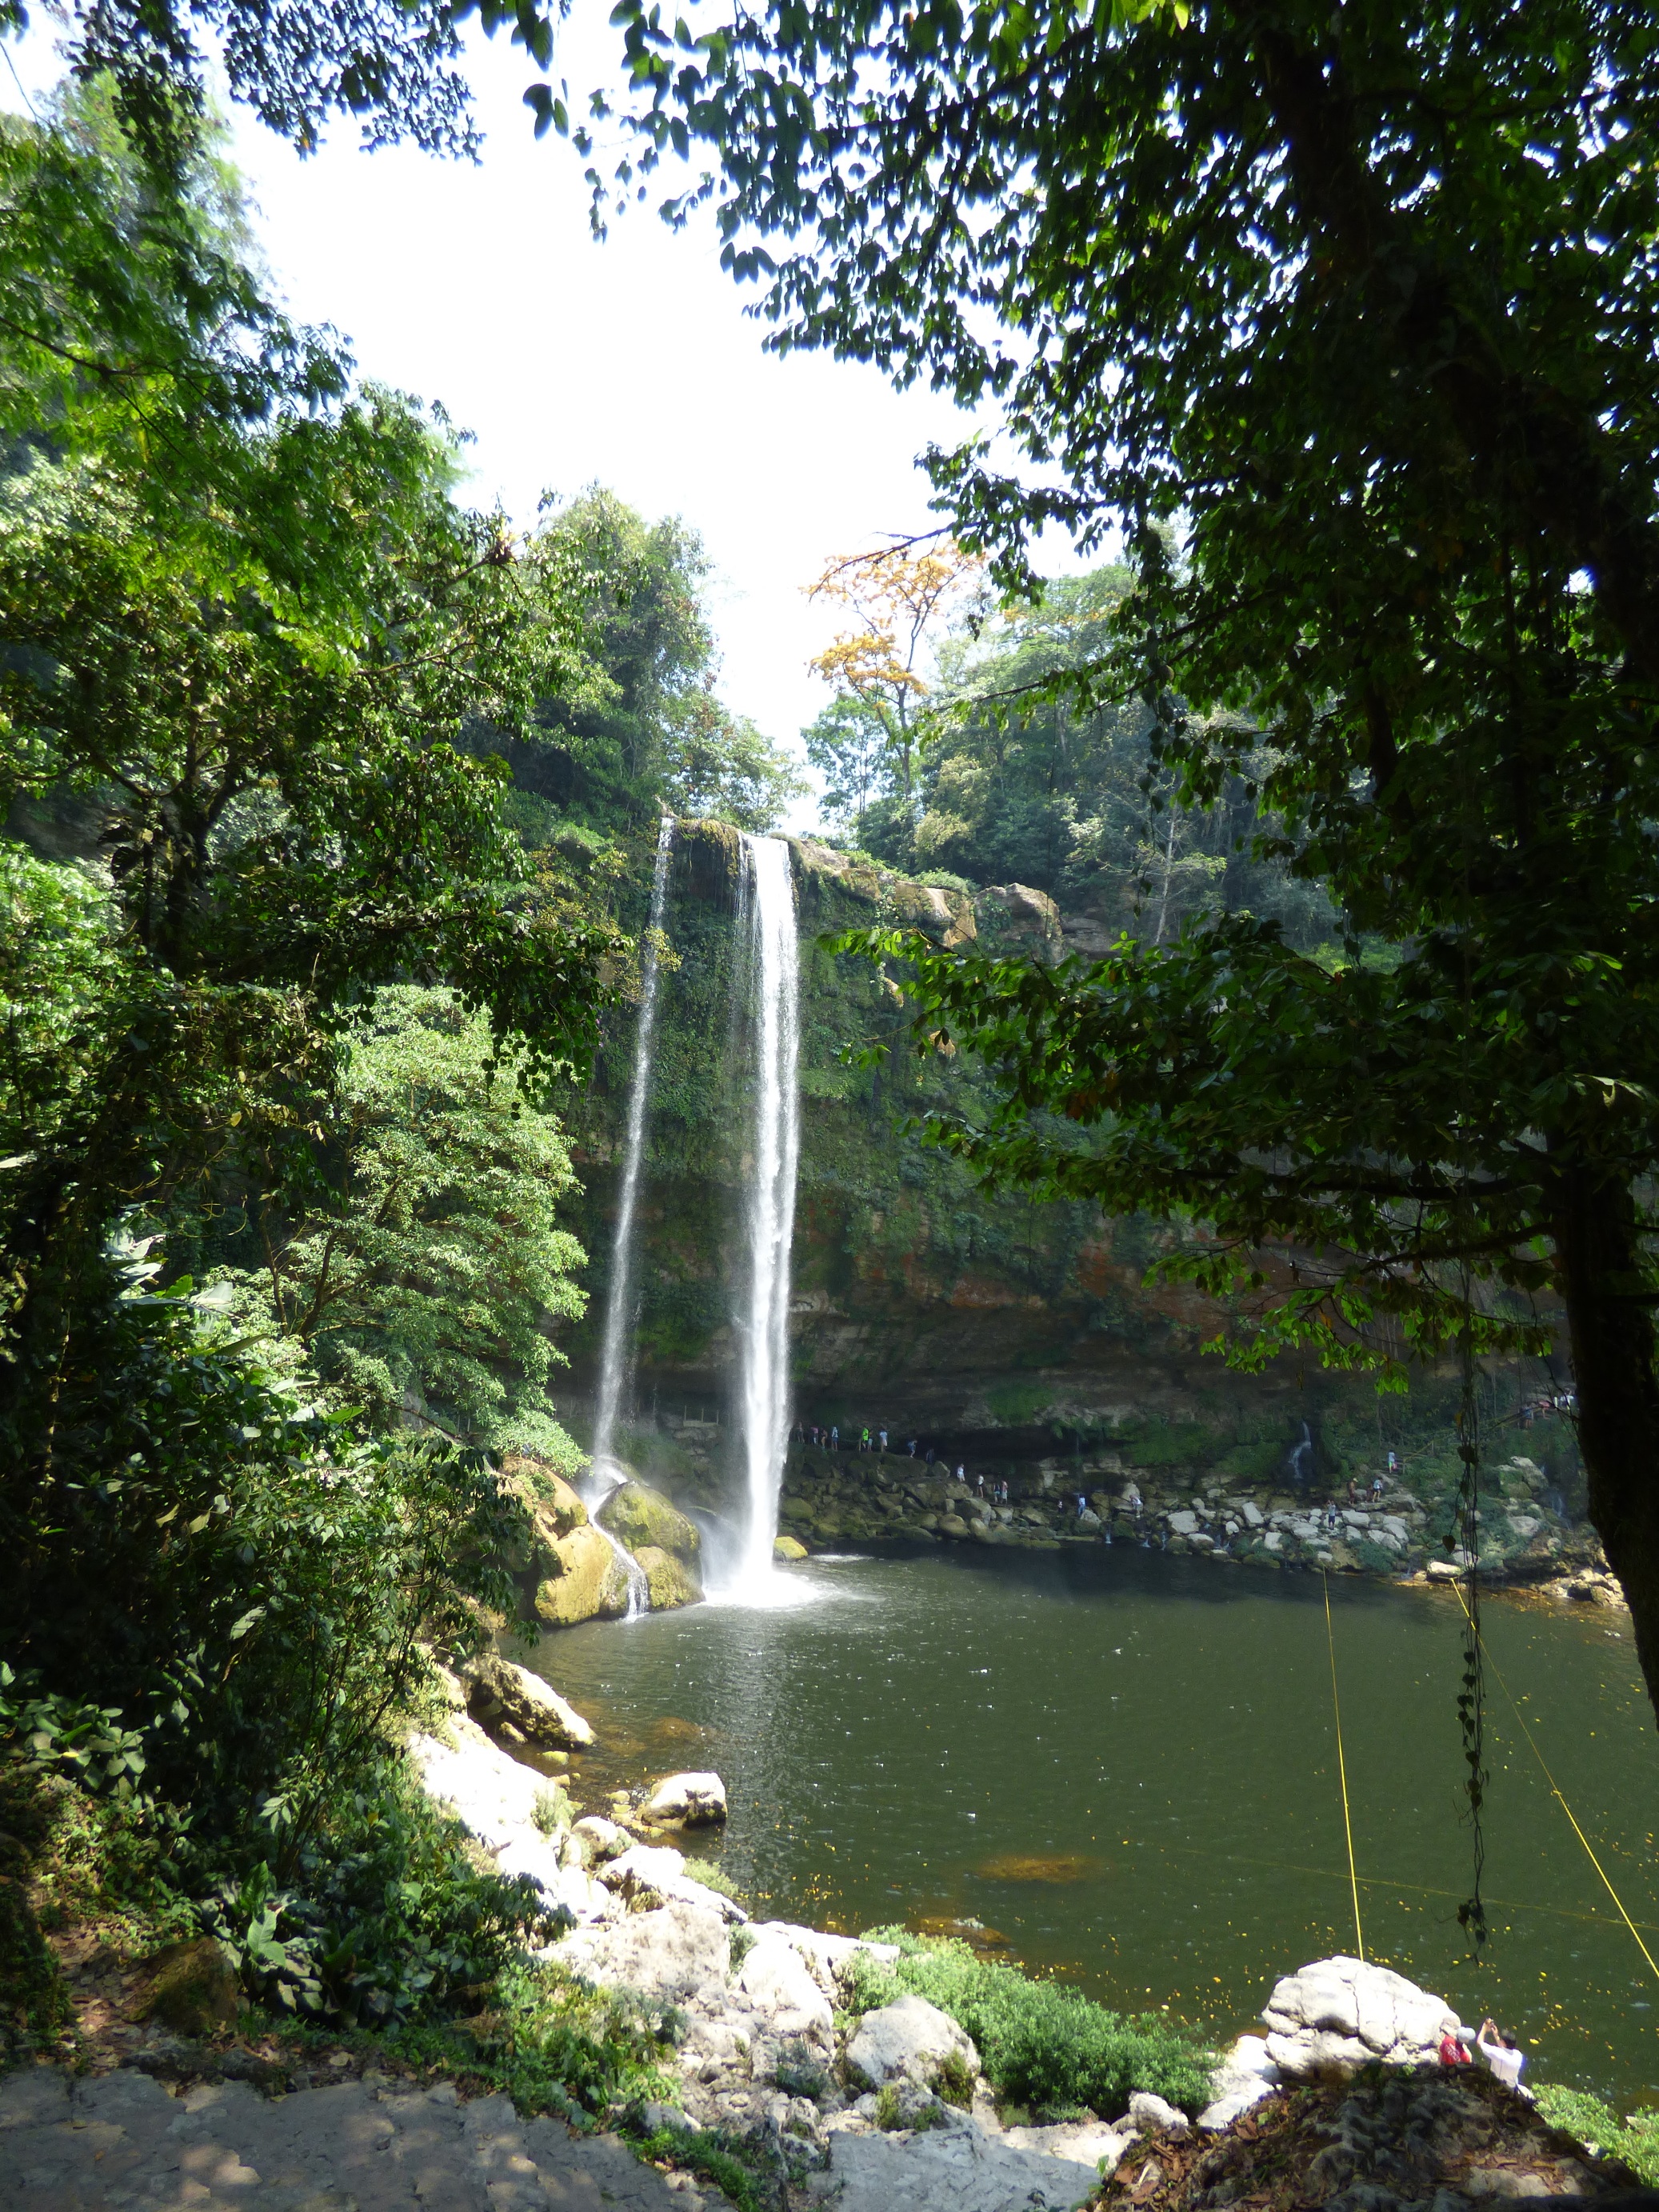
(892, 596)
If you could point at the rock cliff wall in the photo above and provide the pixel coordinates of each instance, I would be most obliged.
(1017, 1338)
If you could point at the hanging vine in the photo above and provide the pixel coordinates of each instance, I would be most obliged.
(1472, 1697)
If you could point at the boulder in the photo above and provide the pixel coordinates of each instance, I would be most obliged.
(638, 1515)
(500, 1689)
(1151, 2114)
(191, 1988)
(777, 1981)
(669, 1581)
(788, 1548)
(686, 1801)
(1338, 2014)
(952, 1524)
(677, 1952)
(584, 1577)
(1243, 2078)
(908, 2039)
(600, 1839)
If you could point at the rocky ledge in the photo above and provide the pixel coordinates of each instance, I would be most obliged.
(833, 1499)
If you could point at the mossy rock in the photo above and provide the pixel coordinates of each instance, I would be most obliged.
(584, 1578)
(638, 1515)
(192, 1988)
(787, 1547)
(668, 1579)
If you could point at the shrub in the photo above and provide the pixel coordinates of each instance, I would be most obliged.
(713, 1876)
(1635, 2140)
(1043, 2045)
(385, 1919)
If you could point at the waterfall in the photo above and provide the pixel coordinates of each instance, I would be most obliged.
(773, 968)
(616, 1354)
(1302, 1456)
(639, 1590)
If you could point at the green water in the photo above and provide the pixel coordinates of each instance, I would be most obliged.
(1159, 1732)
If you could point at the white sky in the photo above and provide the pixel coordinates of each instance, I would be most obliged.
(630, 363)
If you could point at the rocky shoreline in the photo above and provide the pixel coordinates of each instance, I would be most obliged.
(887, 2106)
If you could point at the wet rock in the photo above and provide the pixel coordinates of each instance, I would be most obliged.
(583, 1579)
(669, 1581)
(500, 1689)
(910, 2039)
(687, 1800)
(1339, 2014)
(638, 1515)
(788, 1548)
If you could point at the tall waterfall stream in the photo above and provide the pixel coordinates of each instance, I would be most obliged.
(767, 975)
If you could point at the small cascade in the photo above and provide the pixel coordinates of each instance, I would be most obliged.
(1302, 1456)
(639, 1590)
(617, 1353)
(773, 967)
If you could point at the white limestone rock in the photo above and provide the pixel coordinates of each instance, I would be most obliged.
(955, 2169)
(1148, 2112)
(908, 2039)
(1084, 2143)
(778, 1983)
(687, 1801)
(676, 1954)
(1243, 2078)
(654, 1870)
(601, 1840)
(1339, 2014)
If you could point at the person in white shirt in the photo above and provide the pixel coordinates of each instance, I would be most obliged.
(1501, 2053)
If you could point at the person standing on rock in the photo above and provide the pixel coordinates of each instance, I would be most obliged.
(1453, 2052)
(835, 1436)
(1501, 2052)
(882, 1435)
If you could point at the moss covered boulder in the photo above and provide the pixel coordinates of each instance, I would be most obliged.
(581, 1577)
(642, 1518)
(670, 1581)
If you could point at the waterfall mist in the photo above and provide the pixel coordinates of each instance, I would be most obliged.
(773, 968)
(617, 1353)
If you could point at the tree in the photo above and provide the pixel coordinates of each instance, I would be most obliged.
(847, 743)
(1362, 301)
(245, 637)
(894, 596)
(419, 1279)
(719, 765)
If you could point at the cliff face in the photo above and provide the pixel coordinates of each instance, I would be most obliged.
(1005, 1332)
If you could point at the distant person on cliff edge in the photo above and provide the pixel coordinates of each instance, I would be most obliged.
(911, 1447)
(882, 1435)
(835, 1436)
(1452, 2051)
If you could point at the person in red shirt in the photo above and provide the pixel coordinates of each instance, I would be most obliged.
(1452, 2051)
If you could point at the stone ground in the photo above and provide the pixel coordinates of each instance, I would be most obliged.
(122, 2142)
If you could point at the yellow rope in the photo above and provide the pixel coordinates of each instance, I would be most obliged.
(1555, 1791)
(1342, 1771)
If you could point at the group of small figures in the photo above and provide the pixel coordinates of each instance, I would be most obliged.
(1502, 2055)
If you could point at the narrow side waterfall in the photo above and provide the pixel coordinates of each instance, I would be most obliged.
(773, 964)
(617, 1353)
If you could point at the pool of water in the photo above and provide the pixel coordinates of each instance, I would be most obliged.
(1125, 1767)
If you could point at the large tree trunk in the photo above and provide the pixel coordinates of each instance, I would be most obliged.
(1611, 1329)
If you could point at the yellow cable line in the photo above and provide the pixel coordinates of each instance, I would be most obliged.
(1555, 1792)
(1342, 1772)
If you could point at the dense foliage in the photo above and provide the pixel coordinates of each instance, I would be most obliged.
(1042, 2046)
(276, 966)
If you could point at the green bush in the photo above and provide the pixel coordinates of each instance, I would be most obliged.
(1635, 2140)
(1043, 2046)
(385, 1917)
